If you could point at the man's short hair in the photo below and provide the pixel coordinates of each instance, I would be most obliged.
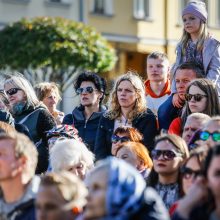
(23, 147)
(158, 55)
(194, 67)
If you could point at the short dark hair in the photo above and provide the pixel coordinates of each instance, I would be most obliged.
(98, 81)
(192, 66)
(158, 55)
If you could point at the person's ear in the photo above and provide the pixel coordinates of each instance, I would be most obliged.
(140, 165)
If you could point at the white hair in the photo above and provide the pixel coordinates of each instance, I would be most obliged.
(201, 117)
(70, 152)
(23, 84)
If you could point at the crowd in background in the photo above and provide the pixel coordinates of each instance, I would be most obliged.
(149, 150)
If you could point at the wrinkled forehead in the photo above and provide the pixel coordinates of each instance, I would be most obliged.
(212, 126)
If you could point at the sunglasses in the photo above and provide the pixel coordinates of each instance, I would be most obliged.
(116, 138)
(204, 135)
(188, 173)
(197, 97)
(167, 154)
(12, 91)
(88, 89)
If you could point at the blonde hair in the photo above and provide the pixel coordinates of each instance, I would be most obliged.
(140, 105)
(23, 84)
(203, 33)
(23, 147)
(45, 88)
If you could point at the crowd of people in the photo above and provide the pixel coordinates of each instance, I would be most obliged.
(150, 150)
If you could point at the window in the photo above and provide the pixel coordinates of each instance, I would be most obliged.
(99, 6)
(102, 7)
(218, 13)
(142, 9)
(59, 1)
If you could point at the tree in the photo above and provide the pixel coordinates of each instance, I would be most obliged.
(53, 49)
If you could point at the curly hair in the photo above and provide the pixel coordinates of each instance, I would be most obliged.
(98, 81)
(140, 104)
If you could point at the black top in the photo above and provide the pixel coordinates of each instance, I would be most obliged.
(145, 123)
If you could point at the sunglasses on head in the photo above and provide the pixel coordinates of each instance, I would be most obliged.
(197, 97)
(167, 154)
(188, 173)
(116, 138)
(204, 135)
(88, 89)
(12, 91)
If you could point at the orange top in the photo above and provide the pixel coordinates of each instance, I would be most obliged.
(149, 91)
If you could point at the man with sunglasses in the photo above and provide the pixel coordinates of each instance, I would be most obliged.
(91, 90)
(210, 134)
(184, 74)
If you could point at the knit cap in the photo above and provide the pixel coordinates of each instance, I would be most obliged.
(197, 8)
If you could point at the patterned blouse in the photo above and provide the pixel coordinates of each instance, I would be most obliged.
(169, 193)
(192, 54)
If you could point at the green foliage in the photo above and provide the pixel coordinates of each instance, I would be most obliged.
(57, 43)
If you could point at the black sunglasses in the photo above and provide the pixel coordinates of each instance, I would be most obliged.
(167, 154)
(12, 91)
(88, 89)
(188, 173)
(116, 138)
(197, 97)
(204, 135)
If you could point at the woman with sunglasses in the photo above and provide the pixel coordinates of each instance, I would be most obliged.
(124, 134)
(127, 106)
(202, 201)
(190, 171)
(29, 111)
(91, 89)
(201, 96)
(168, 156)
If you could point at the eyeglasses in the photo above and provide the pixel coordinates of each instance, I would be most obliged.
(116, 138)
(188, 173)
(12, 91)
(197, 97)
(204, 135)
(88, 89)
(167, 154)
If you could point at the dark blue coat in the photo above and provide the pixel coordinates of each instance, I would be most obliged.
(144, 123)
(166, 113)
(87, 128)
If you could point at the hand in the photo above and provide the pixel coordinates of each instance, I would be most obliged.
(197, 194)
(114, 149)
(177, 101)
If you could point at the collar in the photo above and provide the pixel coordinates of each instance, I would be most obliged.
(149, 91)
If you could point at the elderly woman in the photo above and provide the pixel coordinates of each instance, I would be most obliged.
(60, 196)
(48, 93)
(28, 111)
(127, 106)
(71, 155)
(117, 191)
(26, 108)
